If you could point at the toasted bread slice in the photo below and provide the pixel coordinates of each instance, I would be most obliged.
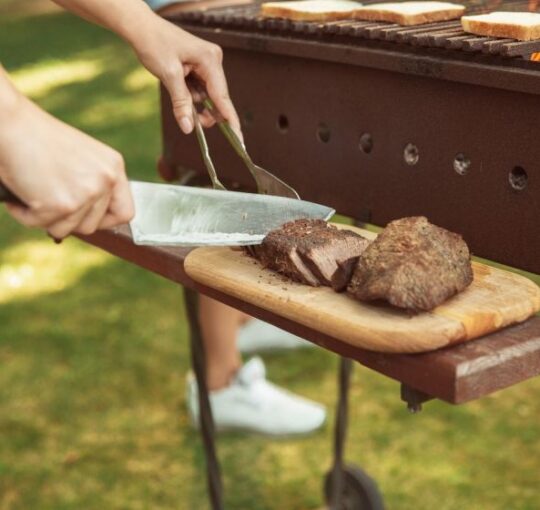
(523, 26)
(410, 13)
(310, 10)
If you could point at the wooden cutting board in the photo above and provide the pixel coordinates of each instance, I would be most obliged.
(495, 299)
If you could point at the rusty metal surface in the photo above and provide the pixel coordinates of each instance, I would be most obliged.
(287, 104)
(438, 35)
(456, 374)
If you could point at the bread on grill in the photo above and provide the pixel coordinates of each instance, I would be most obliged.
(310, 10)
(523, 26)
(410, 13)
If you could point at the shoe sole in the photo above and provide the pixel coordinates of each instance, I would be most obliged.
(258, 433)
(271, 350)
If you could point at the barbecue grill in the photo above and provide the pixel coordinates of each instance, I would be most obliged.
(379, 122)
(400, 121)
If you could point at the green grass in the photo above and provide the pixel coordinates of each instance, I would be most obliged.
(93, 353)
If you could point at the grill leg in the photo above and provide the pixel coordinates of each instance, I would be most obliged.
(340, 432)
(213, 471)
(347, 487)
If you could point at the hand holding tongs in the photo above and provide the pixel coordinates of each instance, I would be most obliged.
(267, 183)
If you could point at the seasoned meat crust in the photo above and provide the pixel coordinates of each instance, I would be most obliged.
(412, 264)
(312, 252)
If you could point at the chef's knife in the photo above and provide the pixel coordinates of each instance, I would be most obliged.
(175, 215)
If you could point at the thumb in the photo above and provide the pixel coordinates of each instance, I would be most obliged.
(182, 102)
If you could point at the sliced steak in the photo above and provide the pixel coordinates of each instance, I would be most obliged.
(331, 255)
(412, 264)
(279, 250)
(312, 252)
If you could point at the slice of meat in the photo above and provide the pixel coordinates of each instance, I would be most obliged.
(331, 255)
(279, 250)
(412, 264)
(312, 252)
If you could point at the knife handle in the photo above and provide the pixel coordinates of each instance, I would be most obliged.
(7, 196)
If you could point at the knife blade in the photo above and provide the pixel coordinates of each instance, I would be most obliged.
(174, 215)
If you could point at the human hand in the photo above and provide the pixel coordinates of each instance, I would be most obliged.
(168, 52)
(171, 54)
(70, 182)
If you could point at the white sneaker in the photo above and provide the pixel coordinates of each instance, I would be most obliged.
(251, 403)
(257, 336)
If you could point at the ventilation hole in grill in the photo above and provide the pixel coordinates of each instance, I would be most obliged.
(462, 164)
(518, 178)
(283, 123)
(411, 154)
(248, 118)
(323, 133)
(366, 143)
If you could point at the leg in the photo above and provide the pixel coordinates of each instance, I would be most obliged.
(236, 390)
(219, 325)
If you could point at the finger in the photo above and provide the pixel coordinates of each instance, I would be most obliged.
(198, 96)
(66, 226)
(121, 208)
(216, 85)
(182, 103)
(207, 119)
(90, 222)
(195, 86)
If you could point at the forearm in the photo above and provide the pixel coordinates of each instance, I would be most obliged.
(14, 108)
(10, 99)
(125, 17)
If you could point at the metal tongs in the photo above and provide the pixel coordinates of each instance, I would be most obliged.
(267, 183)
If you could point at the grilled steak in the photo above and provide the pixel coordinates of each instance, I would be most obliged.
(412, 264)
(279, 252)
(312, 252)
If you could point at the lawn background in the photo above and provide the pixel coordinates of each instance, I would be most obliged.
(93, 352)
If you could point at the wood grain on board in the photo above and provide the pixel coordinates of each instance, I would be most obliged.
(495, 299)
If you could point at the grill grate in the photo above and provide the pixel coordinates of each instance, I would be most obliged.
(447, 34)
